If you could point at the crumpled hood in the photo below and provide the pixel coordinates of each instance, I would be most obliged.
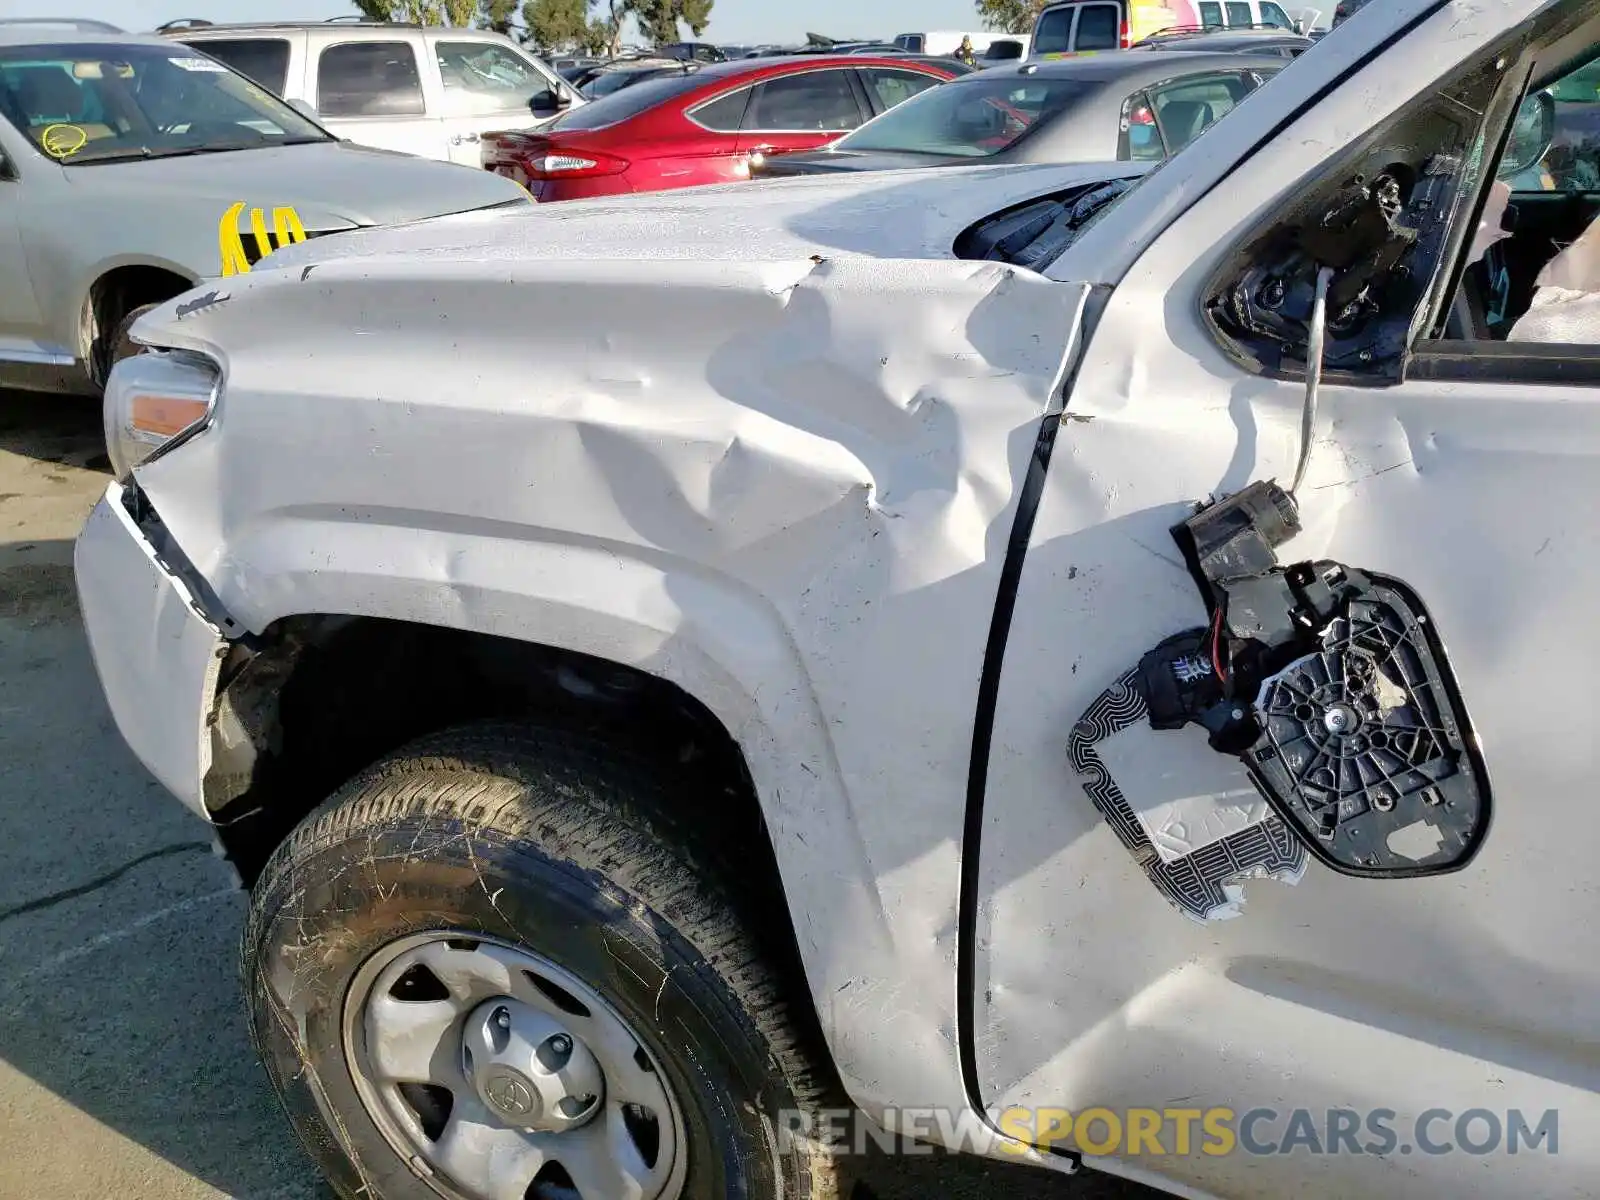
(890, 214)
(332, 183)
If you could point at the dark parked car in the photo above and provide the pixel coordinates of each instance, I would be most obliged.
(1347, 8)
(705, 124)
(1221, 40)
(613, 76)
(693, 52)
(1136, 106)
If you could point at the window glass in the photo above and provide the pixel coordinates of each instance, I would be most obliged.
(1053, 33)
(972, 117)
(630, 101)
(724, 114)
(369, 79)
(482, 78)
(1142, 142)
(910, 41)
(1211, 14)
(1239, 14)
(819, 101)
(266, 60)
(1186, 110)
(1099, 27)
(604, 82)
(1271, 14)
(99, 102)
(1572, 163)
(893, 87)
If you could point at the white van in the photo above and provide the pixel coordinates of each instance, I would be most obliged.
(943, 43)
(1074, 27)
(431, 92)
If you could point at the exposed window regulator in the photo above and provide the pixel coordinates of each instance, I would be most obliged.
(1329, 683)
(1316, 343)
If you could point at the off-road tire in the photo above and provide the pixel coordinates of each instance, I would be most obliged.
(563, 845)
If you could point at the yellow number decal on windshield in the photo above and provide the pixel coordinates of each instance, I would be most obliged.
(62, 141)
(287, 229)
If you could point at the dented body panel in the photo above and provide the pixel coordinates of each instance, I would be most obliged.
(898, 520)
(1334, 992)
(771, 491)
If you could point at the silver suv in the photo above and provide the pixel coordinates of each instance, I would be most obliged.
(424, 91)
(132, 168)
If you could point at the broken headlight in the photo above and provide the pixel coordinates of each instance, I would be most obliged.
(153, 402)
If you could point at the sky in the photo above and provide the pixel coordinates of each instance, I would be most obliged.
(731, 20)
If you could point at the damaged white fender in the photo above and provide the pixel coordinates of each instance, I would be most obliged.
(784, 486)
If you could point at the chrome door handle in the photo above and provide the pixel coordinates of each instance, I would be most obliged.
(462, 139)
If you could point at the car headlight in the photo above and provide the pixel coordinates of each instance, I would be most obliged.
(154, 401)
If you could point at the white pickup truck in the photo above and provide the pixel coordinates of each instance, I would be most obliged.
(966, 644)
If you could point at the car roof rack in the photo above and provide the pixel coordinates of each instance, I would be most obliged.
(355, 22)
(81, 24)
(1196, 30)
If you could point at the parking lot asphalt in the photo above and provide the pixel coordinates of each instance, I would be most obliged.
(124, 1065)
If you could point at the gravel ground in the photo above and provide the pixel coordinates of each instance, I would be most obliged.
(124, 1064)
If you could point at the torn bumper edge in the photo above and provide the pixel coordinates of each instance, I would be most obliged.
(157, 656)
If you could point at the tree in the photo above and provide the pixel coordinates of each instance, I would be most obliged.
(659, 19)
(1009, 16)
(556, 24)
(498, 15)
(438, 12)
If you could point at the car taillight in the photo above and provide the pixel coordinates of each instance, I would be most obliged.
(1125, 36)
(573, 164)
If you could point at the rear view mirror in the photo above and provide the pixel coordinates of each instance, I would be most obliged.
(551, 100)
(1532, 135)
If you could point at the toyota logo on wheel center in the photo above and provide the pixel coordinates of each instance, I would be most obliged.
(510, 1093)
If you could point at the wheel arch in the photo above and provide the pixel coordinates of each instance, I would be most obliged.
(115, 288)
(325, 695)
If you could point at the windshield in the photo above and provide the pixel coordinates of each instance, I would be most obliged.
(969, 118)
(84, 104)
(629, 102)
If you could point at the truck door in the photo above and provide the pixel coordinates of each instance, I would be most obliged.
(1162, 935)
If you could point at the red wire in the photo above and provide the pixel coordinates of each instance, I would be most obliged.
(1216, 645)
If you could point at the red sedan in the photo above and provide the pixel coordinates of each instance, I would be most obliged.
(704, 124)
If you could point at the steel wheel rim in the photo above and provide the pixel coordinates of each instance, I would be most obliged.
(511, 1120)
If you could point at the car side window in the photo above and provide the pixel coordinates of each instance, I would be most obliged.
(482, 78)
(1099, 27)
(369, 79)
(1053, 34)
(725, 114)
(811, 102)
(1240, 14)
(890, 87)
(1186, 109)
(264, 60)
(1211, 14)
(1572, 164)
(1141, 136)
(1272, 14)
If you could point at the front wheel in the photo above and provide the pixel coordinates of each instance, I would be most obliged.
(487, 970)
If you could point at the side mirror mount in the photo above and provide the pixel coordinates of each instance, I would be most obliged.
(307, 111)
(1532, 135)
(551, 100)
